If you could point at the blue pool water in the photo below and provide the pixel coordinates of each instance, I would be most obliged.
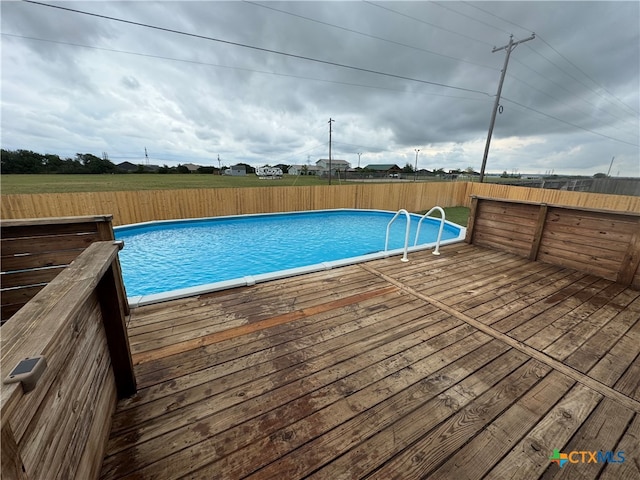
(175, 255)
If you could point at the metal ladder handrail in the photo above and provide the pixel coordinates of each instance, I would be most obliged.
(406, 236)
(437, 249)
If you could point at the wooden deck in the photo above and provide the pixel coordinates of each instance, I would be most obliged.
(474, 364)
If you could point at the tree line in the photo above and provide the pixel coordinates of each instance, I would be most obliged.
(26, 161)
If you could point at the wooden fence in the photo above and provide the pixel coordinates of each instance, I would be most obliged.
(60, 428)
(599, 242)
(140, 206)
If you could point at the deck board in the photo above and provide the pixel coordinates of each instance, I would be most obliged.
(474, 364)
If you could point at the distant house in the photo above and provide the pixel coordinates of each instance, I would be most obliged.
(304, 170)
(127, 167)
(390, 169)
(191, 167)
(236, 171)
(323, 165)
(132, 167)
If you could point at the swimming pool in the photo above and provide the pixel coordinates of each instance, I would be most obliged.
(177, 258)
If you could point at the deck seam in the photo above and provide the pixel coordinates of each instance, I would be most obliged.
(532, 352)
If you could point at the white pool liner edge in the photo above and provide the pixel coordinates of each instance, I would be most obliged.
(143, 300)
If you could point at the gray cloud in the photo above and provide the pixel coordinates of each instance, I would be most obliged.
(570, 98)
(130, 82)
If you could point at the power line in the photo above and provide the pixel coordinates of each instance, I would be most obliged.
(586, 75)
(634, 112)
(286, 75)
(253, 47)
(475, 40)
(496, 16)
(217, 65)
(471, 18)
(289, 55)
(569, 123)
(556, 51)
(516, 60)
(295, 154)
(565, 89)
(375, 37)
(571, 76)
(559, 100)
(196, 62)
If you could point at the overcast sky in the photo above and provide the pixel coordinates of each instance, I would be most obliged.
(73, 82)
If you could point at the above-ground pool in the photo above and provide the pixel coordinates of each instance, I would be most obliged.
(177, 258)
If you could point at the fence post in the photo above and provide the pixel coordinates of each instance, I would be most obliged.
(472, 218)
(105, 233)
(631, 260)
(115, 328)
(537, 236)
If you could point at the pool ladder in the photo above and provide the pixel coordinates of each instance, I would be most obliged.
(404, 258)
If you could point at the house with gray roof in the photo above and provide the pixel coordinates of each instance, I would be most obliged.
(336, 165)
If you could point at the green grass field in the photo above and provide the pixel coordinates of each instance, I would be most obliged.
(54, 183)
(58, 183)
(459, 215)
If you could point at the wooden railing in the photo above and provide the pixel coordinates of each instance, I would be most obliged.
(77, 322)
(600, 242)
(35, 251)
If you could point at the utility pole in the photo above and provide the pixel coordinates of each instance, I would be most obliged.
(146, 157)
(330, 121)
(509, 48)
(415, 170)
(219, 167)
(610, 165)
(359, 160)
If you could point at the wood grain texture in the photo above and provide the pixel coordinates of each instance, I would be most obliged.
(11, 458)
(60, 428)
(476, 364)
(35, 251)
(606, 244)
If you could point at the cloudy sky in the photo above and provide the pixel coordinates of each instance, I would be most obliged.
(257, 82)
